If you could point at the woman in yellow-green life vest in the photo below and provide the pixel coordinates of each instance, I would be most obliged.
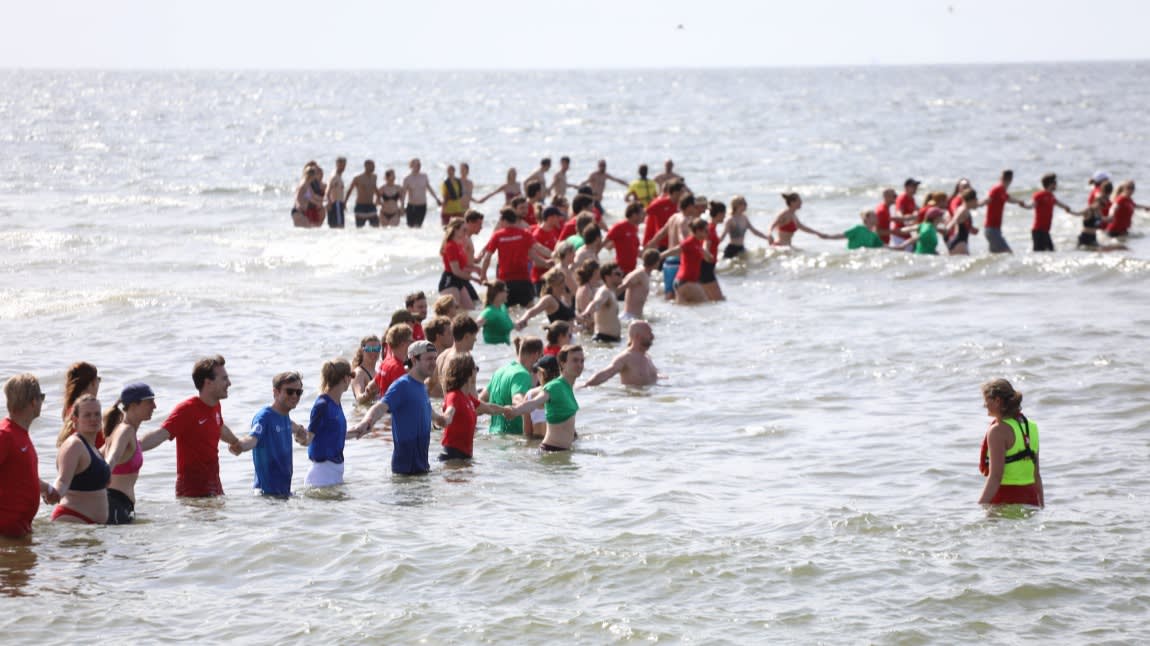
(1010, 450)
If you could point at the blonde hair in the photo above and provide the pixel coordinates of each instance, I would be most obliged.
(21, 391)
(70, 423)
(1001, 390)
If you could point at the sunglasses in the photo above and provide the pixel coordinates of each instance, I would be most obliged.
(372, 348)
(294, 392)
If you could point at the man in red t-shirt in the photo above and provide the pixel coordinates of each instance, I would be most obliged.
(546, 234)
(884, 224)
(197, 426)
(995, 203)
(905, 204)
(624, 237)
(416, 303)
(517, 250)
(660, 210)
(21, 488)
(1043, 203)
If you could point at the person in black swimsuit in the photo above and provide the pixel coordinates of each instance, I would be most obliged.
(554, 299)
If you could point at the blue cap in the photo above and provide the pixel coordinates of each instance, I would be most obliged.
(137, 392)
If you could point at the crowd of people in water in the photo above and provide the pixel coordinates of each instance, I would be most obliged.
(548, 251)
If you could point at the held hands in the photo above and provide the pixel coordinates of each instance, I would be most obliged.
(235, 448)
(50, 496)
(300, 434)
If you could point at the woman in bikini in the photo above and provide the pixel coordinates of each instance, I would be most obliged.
(961, 224)
(1094, 218)
(83, 473)
(736, 227)
(363, 364)
(554, 300)
(390, 196)
(787, 221)
(122, 422)
(510, 188)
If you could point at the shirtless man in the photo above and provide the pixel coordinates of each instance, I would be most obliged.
(364, 186)
(558, 186)
(416, 188)
(605, 306)
(668, 175)
(632, 365)
(464, 331)
(637, 285)
(468, 186)
(540, 173)
(598, 182)
(336, 205)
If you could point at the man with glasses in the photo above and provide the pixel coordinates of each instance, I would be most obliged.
(197, 426)
(271, 436)
(605, 306)
(21, 488)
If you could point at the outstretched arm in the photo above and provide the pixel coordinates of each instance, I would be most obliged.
(614, 368)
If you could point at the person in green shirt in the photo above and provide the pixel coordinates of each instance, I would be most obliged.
(860, 235)
(925, 241)
(494, 319)
(509, 384)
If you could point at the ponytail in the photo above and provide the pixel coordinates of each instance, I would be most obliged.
(112, 418)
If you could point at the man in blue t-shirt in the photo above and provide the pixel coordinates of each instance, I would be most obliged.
(411, 414)
(271, 434)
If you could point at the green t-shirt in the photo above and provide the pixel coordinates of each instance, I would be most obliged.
(860, 236)
(576, 241)
(497, 325)
(512, 379)
(927, 239)
(561, 405)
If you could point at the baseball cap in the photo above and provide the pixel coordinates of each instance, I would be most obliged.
(419, 348)
(1101, 176)
(911, 180)
(547, 362)
(136, 392)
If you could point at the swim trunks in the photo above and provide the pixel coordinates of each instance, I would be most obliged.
(520, 292)
(1042, 241)
(605, 338)
(670, 268)
(996, 241)
(335, 215)
(707, 272)
(733, 250)
(415, 214)
(451, 453)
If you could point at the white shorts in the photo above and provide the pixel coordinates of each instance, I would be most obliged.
(325, 474)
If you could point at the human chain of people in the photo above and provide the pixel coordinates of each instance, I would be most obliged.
(548, 262)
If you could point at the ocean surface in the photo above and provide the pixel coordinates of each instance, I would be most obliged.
(807, 472)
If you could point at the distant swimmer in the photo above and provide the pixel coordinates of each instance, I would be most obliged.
(335, 195)
(995, 203)
(863, 235)
(736, 227)
(540, 174)
(925, 240)
(668, 175)
(597, 180)
(1094, 218)
(416, 188)
(559, 184)
(603, 310)
(363, 365)
(636, 286)
(468, 186)
(390, 200)
(1122, 213)
(494, 319)
(643, 190)
(623, 237)
(510, 189)
(452, 190)
(633, 365)
(1009, 456)
(558, 400)
(885, 225)
(961, 224)
(307, 200)
(1043, 203)
(458, 271)
(707, 277)
(365, 190)
(271, 435)
(787, 221)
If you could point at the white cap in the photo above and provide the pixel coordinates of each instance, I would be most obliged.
(1101, 176)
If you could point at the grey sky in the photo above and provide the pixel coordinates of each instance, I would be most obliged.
(237, 34)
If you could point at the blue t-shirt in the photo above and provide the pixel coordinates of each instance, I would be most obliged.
(410, 425)
(329, 427)
(272, 453)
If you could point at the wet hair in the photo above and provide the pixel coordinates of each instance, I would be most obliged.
(1001, 390)
(508, 215)
(493, 290)
(790, 198)
(462, 325)
(556, 330)
(401, 316)
(717, 208)
(445, 305)
(205, 369)
(643, 171)
(586, 271)
(333, 372)
(675, 187)
(608, 269)
(533, 189)
(528, 345)
(634, 208)
(1048, 180)
(21, 391)
(567, 350)
(79, 377)
(284, 378)
(472, 215)
(73, 415)
(397, 335)
(341, 159)
(459, 372)
(581, 202)
(591, 234)
(357, 359)
(411, 299)
(435, 327)
(651, 258)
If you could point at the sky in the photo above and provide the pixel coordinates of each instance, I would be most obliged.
(593, 34)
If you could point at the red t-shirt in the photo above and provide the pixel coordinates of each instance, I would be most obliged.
(1043, 210)
(955, 202)
(659, 211)
(514, 248)
(389, 370)
(712, 240)
(454, 251)
(995, 205)
(548, 239)
(922, 213)
(882, 217)
(625, 237)
(568, 229)
(530, 217)
(19, 480)
(1093, 194)
(1123, 216)
(195, 427)
(417, 331)
(905, 204)
(690, 255)
(460, 433)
